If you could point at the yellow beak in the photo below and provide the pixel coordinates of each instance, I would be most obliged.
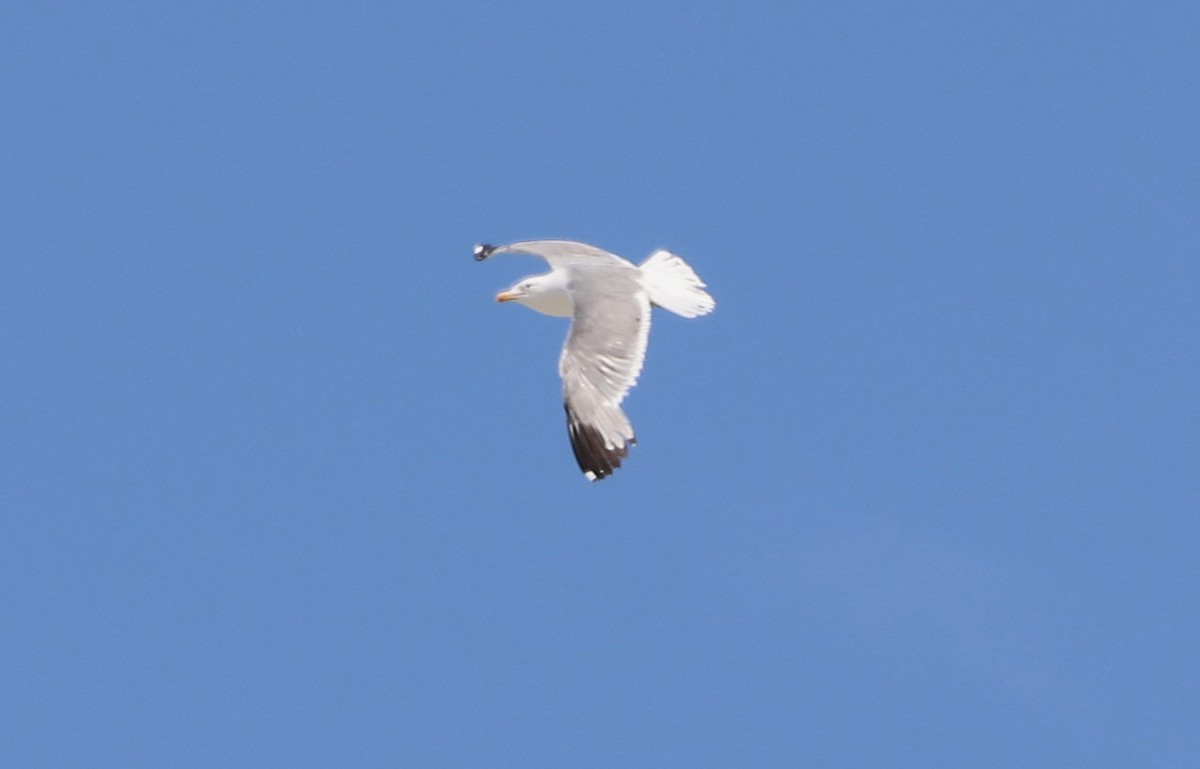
(507, 296)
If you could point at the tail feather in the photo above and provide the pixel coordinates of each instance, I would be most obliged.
(675, 286)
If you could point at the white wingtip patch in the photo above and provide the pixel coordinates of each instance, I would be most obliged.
(589, 475)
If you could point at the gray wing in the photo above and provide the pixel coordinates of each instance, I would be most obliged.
(600, 362)
(559, 253)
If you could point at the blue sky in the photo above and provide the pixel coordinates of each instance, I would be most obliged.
(281, 485)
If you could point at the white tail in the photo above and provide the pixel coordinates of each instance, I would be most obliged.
(674, 286)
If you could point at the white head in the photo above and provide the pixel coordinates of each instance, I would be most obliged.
(546, 294)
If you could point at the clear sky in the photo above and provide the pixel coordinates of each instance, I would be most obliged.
(282, 486)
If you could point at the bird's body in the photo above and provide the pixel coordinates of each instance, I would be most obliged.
(609, 300)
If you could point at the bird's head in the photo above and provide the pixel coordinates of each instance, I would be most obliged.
(546, 294)
(525, 288)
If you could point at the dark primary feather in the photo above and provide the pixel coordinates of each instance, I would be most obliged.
(589, 449)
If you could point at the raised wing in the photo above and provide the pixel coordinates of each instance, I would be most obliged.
(559, 253)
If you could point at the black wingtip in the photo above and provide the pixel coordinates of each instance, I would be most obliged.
(483, 251)
(596, 460)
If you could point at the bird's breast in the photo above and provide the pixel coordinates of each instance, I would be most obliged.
(555, 302)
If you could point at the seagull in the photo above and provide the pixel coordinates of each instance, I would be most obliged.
(608, 300)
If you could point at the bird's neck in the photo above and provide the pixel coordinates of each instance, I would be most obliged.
(551, 301)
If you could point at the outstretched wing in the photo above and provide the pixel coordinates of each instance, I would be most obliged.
(559, 253)
(600, 362)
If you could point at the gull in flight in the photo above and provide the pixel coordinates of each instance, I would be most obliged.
(608, 300)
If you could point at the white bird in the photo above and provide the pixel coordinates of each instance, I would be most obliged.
(608, 300)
